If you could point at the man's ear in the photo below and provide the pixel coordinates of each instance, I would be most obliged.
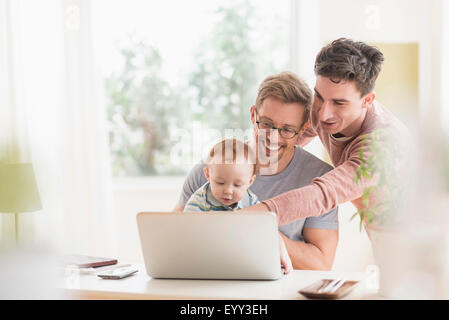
(252, 180)
(206, 173)
(368, 99)
(252, 111)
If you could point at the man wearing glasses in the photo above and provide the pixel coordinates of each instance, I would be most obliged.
(282, 108)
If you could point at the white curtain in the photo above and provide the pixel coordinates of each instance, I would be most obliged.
(445, 67)
(13, 143)
(51, 109)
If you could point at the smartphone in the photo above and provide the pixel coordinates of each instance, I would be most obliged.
(118, 273)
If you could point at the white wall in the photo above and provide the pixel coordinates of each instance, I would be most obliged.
(134, 195)
(445, 67)
(354, 252)
(399, 21)
(373, 21)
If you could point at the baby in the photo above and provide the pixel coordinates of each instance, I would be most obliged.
(230, 170)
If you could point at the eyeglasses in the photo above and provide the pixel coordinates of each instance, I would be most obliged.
(286, 133)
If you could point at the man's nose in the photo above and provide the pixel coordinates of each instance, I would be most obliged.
(274, 136)
(324, 112)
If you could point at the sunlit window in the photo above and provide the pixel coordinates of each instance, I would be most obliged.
(171, 67)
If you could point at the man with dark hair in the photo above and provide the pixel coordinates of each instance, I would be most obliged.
(343, 115)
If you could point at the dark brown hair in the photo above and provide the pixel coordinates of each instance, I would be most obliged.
(288, 88)
(345, 59)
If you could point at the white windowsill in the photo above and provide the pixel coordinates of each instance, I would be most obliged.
(148, 183)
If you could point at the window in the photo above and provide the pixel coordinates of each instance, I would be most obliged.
(178, 75)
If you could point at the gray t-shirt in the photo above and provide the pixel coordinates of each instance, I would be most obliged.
(300, 172)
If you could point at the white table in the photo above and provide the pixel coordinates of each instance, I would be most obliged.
(142, 286)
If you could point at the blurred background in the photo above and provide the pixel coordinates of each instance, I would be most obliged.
(105, 98)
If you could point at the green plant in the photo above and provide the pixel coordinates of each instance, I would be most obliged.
(382, 171)
(225, 77)
(142, 108)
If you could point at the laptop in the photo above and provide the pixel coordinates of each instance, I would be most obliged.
(210, 245)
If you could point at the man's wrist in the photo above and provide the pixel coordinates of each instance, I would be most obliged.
(270, 206)
(266, 207)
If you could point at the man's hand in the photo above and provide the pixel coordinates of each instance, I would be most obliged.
(256, 207)
(285, 258)
(261, 207)
(178, 208)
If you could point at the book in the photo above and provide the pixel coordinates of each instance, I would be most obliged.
(83, 261)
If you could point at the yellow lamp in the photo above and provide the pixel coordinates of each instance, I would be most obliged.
(18, 191)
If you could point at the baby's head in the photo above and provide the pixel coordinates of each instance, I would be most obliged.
(230, 169)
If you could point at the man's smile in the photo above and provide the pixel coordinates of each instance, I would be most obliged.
(328, 124)
(271, 148)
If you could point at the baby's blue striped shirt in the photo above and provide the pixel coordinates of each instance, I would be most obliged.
(203, 200)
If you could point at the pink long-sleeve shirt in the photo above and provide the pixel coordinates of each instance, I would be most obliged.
(338, 185)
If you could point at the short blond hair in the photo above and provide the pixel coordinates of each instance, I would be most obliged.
(232, 151)
(288, 88)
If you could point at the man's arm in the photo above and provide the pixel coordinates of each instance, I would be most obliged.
(316, 253)
(194, 180)
(323, 194)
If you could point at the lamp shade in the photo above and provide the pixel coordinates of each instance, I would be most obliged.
(18, 188)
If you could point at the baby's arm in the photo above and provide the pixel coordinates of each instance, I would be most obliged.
(193, 207)
(195, 204)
